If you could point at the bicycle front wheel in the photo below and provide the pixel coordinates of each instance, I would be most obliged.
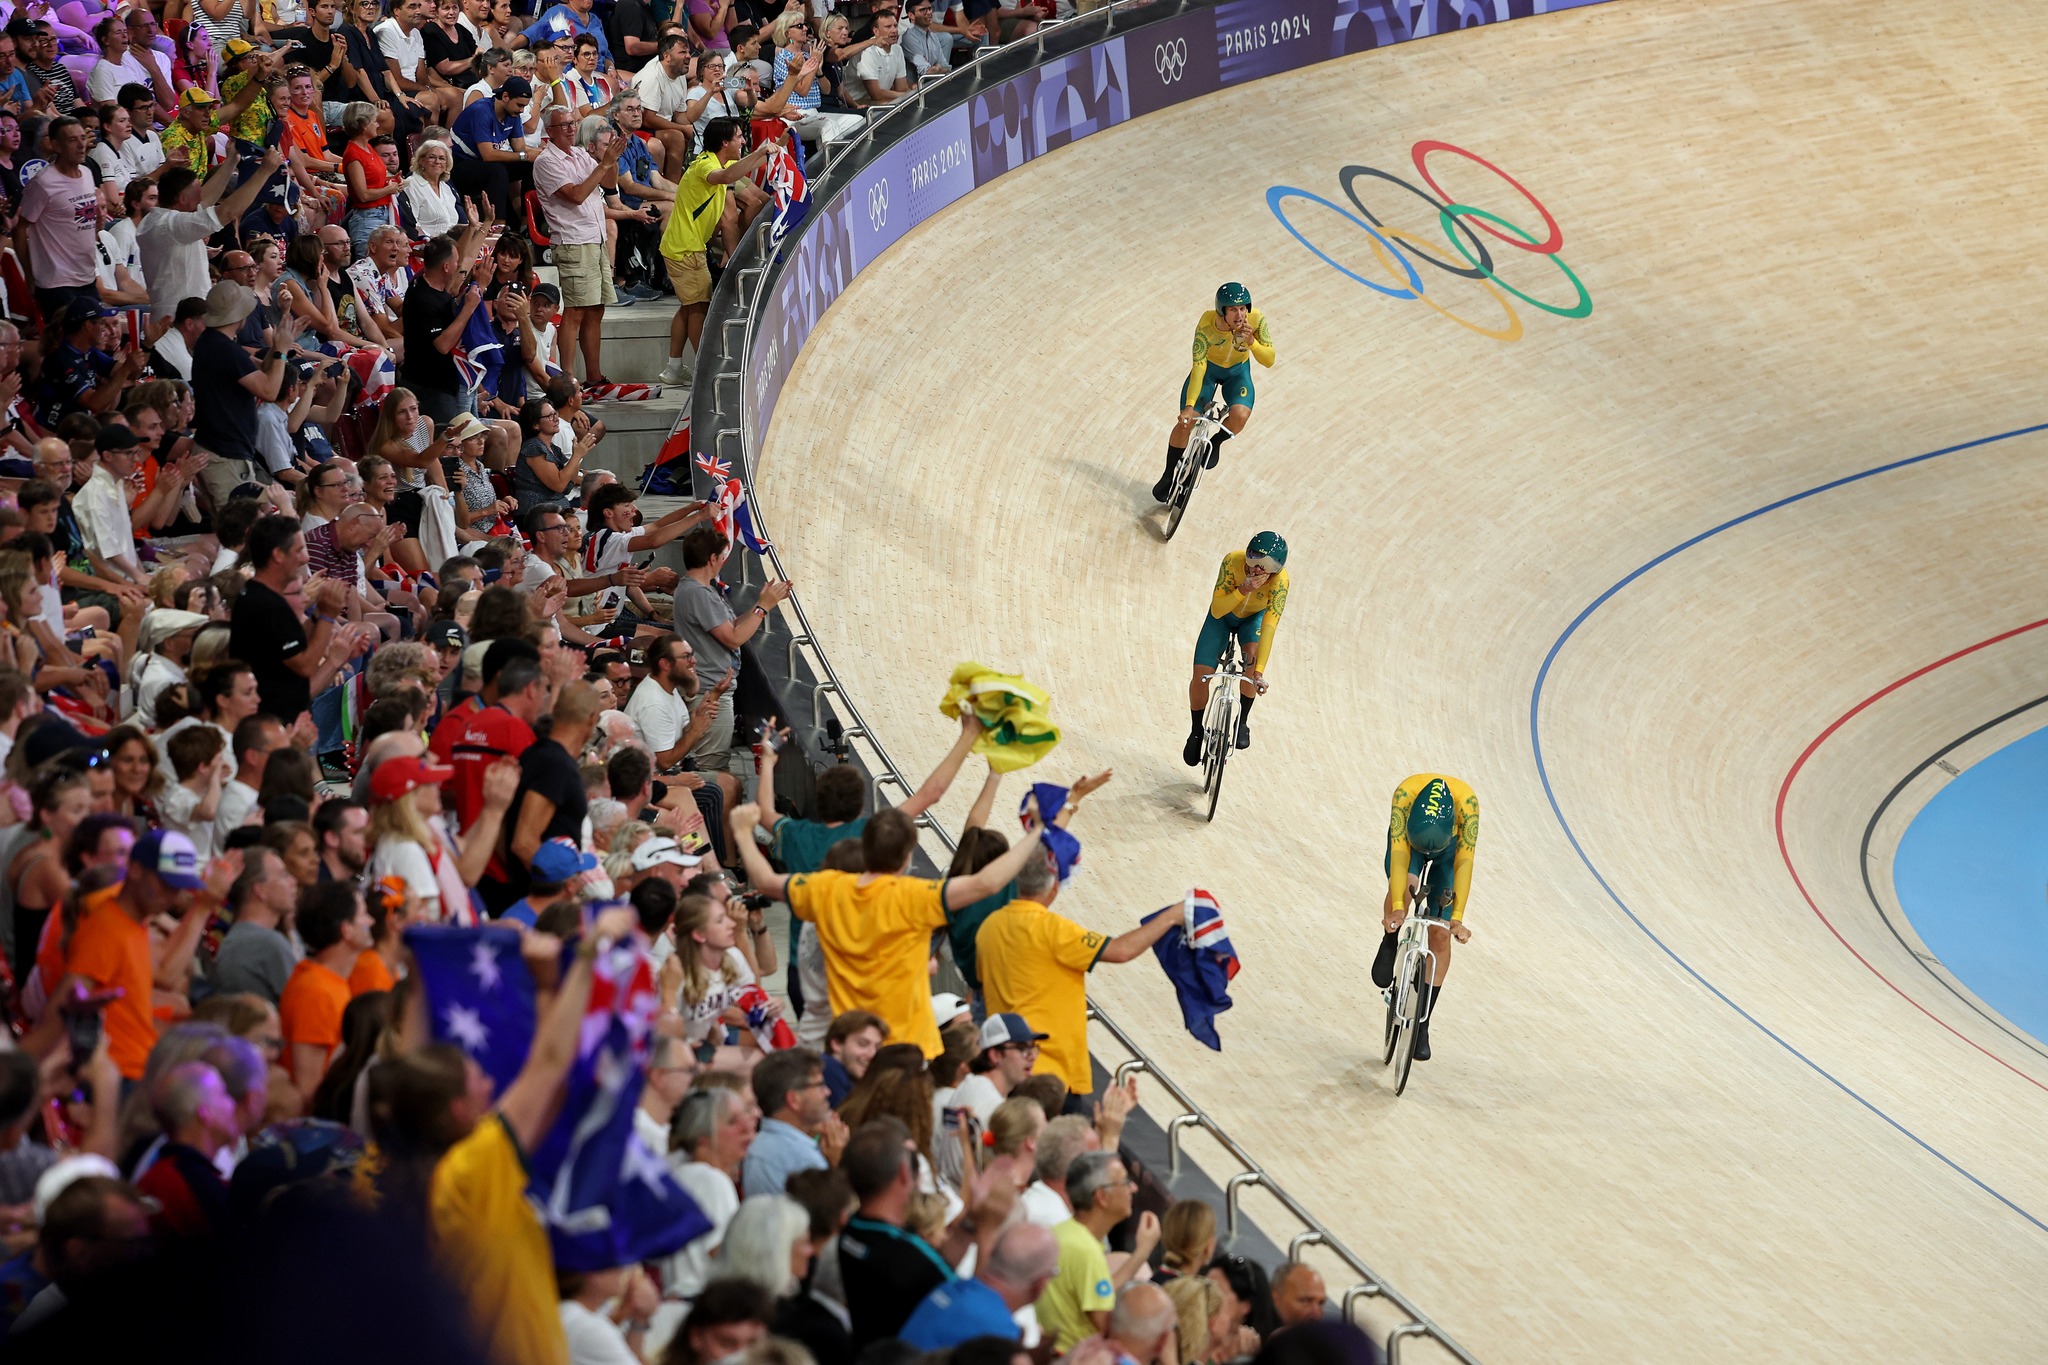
(1404, 1057)
(1184, 486)
(1221, 741)
(1393, 1022)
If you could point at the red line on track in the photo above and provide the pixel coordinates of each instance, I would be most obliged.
(1785, 790)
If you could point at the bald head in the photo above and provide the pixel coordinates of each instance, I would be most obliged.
(357, 525)
(1142, 1322)
(1298, 1294)
(1021, 1263)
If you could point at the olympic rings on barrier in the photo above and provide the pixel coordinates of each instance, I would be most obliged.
(1584, 306)
(1279, 192)
(1549, 246)
(1480, 264)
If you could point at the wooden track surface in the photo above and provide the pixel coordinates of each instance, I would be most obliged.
(1813, 236)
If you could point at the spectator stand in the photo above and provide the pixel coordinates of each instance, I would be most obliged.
(735, 385)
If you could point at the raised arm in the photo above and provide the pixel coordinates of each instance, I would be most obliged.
(760, 876)
(962, 892)
(927, 796)
(532, 1100)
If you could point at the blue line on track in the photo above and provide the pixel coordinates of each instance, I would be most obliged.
(1543, 772)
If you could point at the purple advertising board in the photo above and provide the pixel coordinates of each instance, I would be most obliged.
(1057, 102)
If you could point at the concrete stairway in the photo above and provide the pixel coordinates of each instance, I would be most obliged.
(635, 350)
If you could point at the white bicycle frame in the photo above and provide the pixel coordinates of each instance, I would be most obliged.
(1414, 937)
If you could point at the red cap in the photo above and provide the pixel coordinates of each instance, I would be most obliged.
(397, 776)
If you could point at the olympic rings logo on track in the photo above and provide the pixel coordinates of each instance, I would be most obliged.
(878, 204)
(1170, 60)
(1457, 221)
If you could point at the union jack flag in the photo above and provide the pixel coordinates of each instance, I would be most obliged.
(715, 465)
(782, 175)
(736, 518)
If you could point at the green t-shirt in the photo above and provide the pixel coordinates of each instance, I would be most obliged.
(1081, 1287)
(965, 924)
(801, 845)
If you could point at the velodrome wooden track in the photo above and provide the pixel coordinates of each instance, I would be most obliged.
(1678, 1110)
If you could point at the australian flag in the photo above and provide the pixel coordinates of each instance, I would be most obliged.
(1064, 847)
(1200, 963)
(479, 993)
(608, 1201)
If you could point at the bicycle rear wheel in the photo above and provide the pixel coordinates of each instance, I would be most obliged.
(1184, 486)
(1221, 742)
(1404, 1056)
(1393, 1022)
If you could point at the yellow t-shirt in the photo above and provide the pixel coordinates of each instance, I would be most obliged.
(1035, 962)
(877, 940)
(694, 215)
(1080, 1287)
(495, 1248)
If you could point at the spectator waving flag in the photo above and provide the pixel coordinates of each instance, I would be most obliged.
(782, 176)
(479, 993)
(1016, 716)
(1200, 963)
(770, 1030)
(736, 518)
(608, 1201)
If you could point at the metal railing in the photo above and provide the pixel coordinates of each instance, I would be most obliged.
(743, 289)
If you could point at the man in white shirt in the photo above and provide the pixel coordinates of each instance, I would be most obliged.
(1009, 1049)
(664, 86)
(660, 705)
(117, 66)
(256, 739)
(166, 641)
(404, 49)
(144, 147)
(882, 68)
(174, 348)
(572, 185)
(172, 238)
(102, 507)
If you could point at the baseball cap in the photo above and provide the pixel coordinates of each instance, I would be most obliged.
(449, 633)
(81, 311)
(473, 660)
(397, 776)
(51, 738)
(516, 88)
(1006, 1030)
(659, 850)
(171, 856)
(114, 436)
(559, 859)
(946, 1007)
(240, 47)
(194, 95)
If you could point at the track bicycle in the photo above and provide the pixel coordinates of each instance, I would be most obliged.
(1194, 460)
(1219, 719)
(1414, 964)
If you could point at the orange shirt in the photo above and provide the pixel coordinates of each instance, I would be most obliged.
(310, 1009)
(305, 133)
(111, 949)
(370, 974)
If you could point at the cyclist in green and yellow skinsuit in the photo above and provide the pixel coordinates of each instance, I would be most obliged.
(1435, 825)
(1226, 342)
(1248, 600)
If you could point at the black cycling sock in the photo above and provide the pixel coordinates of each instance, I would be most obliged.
(1222, 434)
(1194, 722)
(1174, 452)
(1383, 961)
(1244, 705)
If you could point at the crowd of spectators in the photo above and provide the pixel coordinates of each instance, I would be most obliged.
(317, 626)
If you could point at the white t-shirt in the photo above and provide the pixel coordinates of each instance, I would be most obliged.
(118, 166)
(122, 234)
(407, 49)
(689, 1270)
(176, 807)
(660, 715)
(273, 437)
(172, 350)
(884, 66)
(979, 1094)
(237, 800)
(594, 1339)
(661, 92)
(725, 987)
(102, 511)
(157, 673)
(147, 150)
(107, 78)
(605, 552)
(1043, 1206)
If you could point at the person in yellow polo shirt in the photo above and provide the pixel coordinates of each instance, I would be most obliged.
(876, 926)
(698, 210)
(1035, 962)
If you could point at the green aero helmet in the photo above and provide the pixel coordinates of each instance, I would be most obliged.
(1232, 295)
(1267, 551)
(1432, 820)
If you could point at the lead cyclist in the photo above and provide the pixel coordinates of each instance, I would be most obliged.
(1227, 340)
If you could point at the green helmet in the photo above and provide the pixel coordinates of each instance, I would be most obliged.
(1232, 295)
(1269, 546)
(1432, 820)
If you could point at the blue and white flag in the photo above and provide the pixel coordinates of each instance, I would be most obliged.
(479, 993)
(608, 1201)
(1200, 963)
(1064, 846)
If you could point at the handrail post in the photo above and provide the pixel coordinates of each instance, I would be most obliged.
(1173, 1128)
(1401, 1333)
(1232, 1189)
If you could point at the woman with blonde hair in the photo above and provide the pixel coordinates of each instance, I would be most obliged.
(404, 437)
(1012, 1141)
(1196, 1303)
(428, 196)
(412, 841)
(897, 1085)
(1187, 1237)
(702, 979)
